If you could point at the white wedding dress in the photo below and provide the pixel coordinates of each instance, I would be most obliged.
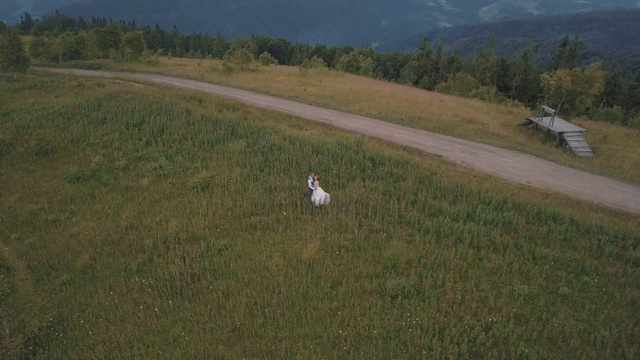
(320, 197)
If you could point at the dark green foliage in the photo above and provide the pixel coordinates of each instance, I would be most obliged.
(13, 57)
(69, 46)
(525, 79)
(426, 68)
(133, 46)
(567, 55)
(279, 49)
(26, 23)
(53, 25)
(613, 89)
(483, 67)
(631, 95)
(503, 76)
(41, 48)
(610, 36)
(389, 65)
(109, 39)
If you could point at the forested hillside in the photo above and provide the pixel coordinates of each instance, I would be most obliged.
(610, 36)
(331, 22)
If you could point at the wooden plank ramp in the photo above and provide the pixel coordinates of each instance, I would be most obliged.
(577, 143)
(571, 134)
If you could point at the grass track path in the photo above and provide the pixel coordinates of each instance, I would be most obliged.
(508, 164)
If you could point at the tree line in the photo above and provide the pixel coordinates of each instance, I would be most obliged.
(586, 91)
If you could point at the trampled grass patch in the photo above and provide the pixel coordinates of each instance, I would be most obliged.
(168, 224)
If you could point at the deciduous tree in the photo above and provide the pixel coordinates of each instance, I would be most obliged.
(243, 58)
(40, 48)
(109, 38)
(133, 45)
(572, 92)
(266, 59)
(13, 57)
(358, 62)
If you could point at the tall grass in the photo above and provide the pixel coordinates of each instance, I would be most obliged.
(158, 223)
(616, 148)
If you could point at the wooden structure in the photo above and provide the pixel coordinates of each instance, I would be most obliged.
(565, 131)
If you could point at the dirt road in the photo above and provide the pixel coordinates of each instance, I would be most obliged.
(504, 163)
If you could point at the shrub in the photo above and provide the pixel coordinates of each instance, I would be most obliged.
(243, 59)
(459, 84)
(614, 115)
(314, 63)
(266, 59)
(74, 176)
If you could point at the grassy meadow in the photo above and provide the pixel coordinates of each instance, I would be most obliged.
(140, 221)
(616, 148)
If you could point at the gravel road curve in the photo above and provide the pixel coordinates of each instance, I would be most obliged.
(508, 164)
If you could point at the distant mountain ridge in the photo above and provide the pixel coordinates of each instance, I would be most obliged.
(610, 36)
(331, 22)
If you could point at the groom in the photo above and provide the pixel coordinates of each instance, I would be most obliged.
(310, 184)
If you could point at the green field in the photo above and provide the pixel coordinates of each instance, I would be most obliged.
(147, 222)
(617, 148)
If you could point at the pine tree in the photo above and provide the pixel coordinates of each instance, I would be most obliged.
(631, 96)
(26, 23)
(484, 66)
(416, 72)
(567, 55)
(13, 57)
(525, 84)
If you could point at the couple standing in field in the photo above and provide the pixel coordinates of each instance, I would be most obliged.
(316, 194)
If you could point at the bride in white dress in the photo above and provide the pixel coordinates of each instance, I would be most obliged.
(320, 197)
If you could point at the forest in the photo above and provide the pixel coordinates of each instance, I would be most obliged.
(597, 90)
(331, 22)
(609, 36)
